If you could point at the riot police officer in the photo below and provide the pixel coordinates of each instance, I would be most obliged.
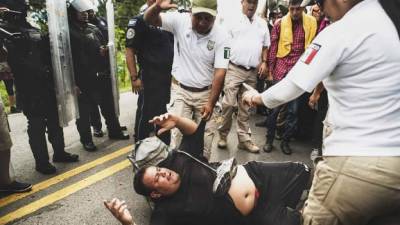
(95, 119)
(30, 61)
(154, 51)
(90, 60)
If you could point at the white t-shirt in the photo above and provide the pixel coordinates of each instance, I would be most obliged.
(247, 40)
(197, 55)
(358, 59)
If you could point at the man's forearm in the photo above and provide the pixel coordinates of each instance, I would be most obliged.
(264, 55)
(186, 126)
(131, 62)
(217, 85)
(319, 89)
(152, 15)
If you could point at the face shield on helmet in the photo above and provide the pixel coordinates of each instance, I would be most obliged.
(81, 5)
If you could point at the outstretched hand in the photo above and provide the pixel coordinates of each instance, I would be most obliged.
(165, 121)
(166, 4)
(119, 210)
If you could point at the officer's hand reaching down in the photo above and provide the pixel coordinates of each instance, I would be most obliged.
(119, 210)
(206, 111)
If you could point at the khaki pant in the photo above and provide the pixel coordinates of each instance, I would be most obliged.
(5, 139)
(353, 190)
(189, 105)
(233, 89)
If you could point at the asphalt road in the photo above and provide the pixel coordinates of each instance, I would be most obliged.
(75, 194)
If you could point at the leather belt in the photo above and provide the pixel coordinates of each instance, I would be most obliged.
(194, 89)
(242, 67)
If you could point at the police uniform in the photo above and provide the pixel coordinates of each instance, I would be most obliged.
(358, 59)
(95, 118)
(155, 52)
(85, 45)
(30, 60)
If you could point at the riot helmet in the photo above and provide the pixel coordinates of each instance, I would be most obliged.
(81, 5)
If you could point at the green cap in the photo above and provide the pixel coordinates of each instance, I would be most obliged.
(204, 6)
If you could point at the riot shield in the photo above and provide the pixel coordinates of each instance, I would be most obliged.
(64, 83)
(112, 54)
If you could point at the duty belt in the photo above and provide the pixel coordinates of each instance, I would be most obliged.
(242, 67)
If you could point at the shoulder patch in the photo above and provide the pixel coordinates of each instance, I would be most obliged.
(132, 22)
(130, 33)
(227, 53)
(310, 53)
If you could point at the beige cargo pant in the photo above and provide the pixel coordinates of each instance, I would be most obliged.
(353, 190)
(233, 90)
(189, 105)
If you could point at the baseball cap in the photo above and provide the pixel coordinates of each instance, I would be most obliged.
(204, 6)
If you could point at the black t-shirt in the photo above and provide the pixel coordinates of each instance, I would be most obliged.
(154, 48)
(194, 202)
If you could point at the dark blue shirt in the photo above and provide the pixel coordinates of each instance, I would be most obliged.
(154, 47)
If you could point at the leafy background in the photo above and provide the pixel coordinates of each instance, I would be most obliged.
(124, 10)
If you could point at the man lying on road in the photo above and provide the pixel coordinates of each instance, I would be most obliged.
(260, 193)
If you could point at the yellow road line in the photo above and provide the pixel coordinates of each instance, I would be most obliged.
(58, 195)
(54, 180)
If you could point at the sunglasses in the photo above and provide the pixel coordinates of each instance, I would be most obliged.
(320, 3)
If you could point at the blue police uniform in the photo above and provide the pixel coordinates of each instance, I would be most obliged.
(154, 51)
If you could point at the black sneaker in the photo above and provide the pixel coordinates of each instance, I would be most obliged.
(46, 169)
(118, 136)
(98, 132)
(16, 187)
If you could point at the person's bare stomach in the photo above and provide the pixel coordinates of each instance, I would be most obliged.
(243, 191)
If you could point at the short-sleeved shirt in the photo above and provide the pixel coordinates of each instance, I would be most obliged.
(248, 39)
(197, 55)
(154, 47)
(358, 59)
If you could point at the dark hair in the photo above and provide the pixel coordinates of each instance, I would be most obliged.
(138, 184)
(295, 2)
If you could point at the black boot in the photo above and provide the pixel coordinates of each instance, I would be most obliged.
(286, 148)
(65, 157)
(89, 146)
(45, 168)
(268, 147)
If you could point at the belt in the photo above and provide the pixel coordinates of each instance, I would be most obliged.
(242, 67)
(194, 89)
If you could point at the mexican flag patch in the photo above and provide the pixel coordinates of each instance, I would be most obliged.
(310, 53)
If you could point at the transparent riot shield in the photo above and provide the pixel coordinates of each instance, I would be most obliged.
(67, 104)
(112, 54)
